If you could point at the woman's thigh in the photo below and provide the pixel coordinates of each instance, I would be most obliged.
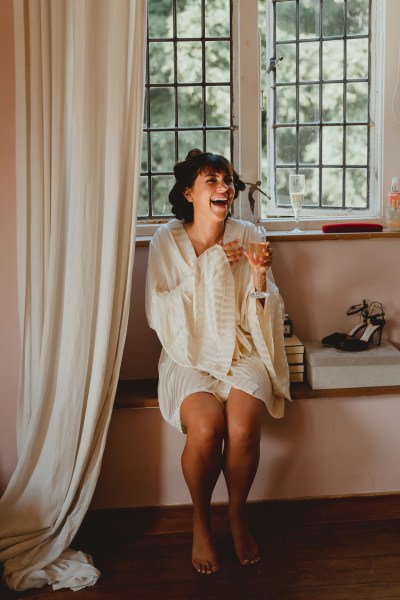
(202, 414)
(243, 414)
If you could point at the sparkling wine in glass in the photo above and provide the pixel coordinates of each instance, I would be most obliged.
(256, 245)
(297, 187)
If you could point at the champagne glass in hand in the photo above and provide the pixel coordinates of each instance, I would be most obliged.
(256, 252)
(296, 190)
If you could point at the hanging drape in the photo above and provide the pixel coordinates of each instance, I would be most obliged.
(80, 86)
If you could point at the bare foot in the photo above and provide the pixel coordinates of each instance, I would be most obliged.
(245, 545)
(204, 557)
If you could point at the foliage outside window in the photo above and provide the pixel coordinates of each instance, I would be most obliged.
(318, 103)
(188, 102)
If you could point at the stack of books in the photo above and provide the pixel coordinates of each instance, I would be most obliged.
(295, 357)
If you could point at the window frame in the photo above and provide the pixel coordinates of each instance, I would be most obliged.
(247, 107)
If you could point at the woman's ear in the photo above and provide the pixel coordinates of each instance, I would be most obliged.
(188, 194)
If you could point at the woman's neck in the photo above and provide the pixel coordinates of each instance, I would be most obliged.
(203, 237)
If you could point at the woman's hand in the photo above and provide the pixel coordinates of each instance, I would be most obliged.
(233, 250)
(262, 262)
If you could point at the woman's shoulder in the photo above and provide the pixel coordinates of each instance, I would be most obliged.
(166, 229)
(238, 228)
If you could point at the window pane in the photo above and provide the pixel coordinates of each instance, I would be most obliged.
(217, 18)
(160, 188)
(286, 146)
(190, 106)
(311, 196)
(218, 100)
(309, 61)
(357, 58)
(282, 186)
(357, 17)
(332, 146)
(162, 112)
(161, 62)
(189, 59)
(309, 103)
(218, 62)
(162, 150)
(143, 204)
(332, 102)
(286, 70)
(357, 145)
(160, 18)
(285, 20)
(357, 102)
(286, 104)
(356, 188)
(333, 60)
(219, 142)
(308, 145)
(144, 163)
(188, 21)
(333, 17)
(332, 186)
(187, 140)
(309, 18)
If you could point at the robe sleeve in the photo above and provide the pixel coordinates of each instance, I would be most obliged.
(191, 306)
(265, 325)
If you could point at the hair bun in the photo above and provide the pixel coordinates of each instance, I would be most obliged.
(193, 153)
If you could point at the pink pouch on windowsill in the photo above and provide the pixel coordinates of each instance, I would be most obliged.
(351, 227)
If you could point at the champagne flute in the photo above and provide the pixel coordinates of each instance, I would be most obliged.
(256, 244)
(297, 187)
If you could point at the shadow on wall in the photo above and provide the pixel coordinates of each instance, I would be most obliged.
(142, 347)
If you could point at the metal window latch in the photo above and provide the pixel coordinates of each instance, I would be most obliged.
(273, 63)
(254, 187)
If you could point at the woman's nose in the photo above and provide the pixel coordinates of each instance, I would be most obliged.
(222, 186)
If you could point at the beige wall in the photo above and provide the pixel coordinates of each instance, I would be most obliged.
(322, 447)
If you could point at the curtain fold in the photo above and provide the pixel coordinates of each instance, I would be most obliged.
(80, 69)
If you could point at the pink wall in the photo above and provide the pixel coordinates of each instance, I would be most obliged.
(9, 328)
(322, 447)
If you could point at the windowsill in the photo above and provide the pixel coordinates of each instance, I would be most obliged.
(142, 393)
(307, 236)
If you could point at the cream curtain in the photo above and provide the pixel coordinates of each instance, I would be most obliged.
(80, 85)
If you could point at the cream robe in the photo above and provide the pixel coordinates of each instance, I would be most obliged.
(202, 313)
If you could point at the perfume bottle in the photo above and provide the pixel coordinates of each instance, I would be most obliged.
(393, 207)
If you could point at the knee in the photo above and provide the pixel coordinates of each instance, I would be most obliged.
(207, 434)
(244, 437)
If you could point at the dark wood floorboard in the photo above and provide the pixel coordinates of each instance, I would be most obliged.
(336, 549)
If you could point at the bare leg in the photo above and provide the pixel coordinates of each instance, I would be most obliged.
(204, 420)
(242, 452)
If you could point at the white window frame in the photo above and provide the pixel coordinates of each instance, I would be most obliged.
(247, 112)
(279, 218)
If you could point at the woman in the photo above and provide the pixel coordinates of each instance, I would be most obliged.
(223, 359)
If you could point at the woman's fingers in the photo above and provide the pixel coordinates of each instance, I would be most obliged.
(233, 250)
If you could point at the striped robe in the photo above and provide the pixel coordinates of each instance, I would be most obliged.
(202, 313)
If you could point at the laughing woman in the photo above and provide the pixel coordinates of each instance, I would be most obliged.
(223, 360)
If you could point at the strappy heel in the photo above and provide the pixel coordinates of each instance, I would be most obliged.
(375, 324)
(334, 338)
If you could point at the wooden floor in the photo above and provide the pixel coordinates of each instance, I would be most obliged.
(338, 549)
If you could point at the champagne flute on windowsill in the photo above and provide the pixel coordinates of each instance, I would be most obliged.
(297, 187)
(255, 249)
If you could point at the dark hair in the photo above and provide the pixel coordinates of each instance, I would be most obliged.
(186, 172)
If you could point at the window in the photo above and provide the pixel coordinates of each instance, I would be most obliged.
(188, 102)
(320, 111)
(319, 117)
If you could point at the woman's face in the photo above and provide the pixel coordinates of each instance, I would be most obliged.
(212, 194)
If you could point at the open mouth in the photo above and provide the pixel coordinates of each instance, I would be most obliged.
(220, 201)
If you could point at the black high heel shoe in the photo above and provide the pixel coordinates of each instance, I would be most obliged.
(334, 338)
(375, 324)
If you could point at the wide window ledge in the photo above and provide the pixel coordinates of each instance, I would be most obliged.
(307, 235)
(142, 393)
